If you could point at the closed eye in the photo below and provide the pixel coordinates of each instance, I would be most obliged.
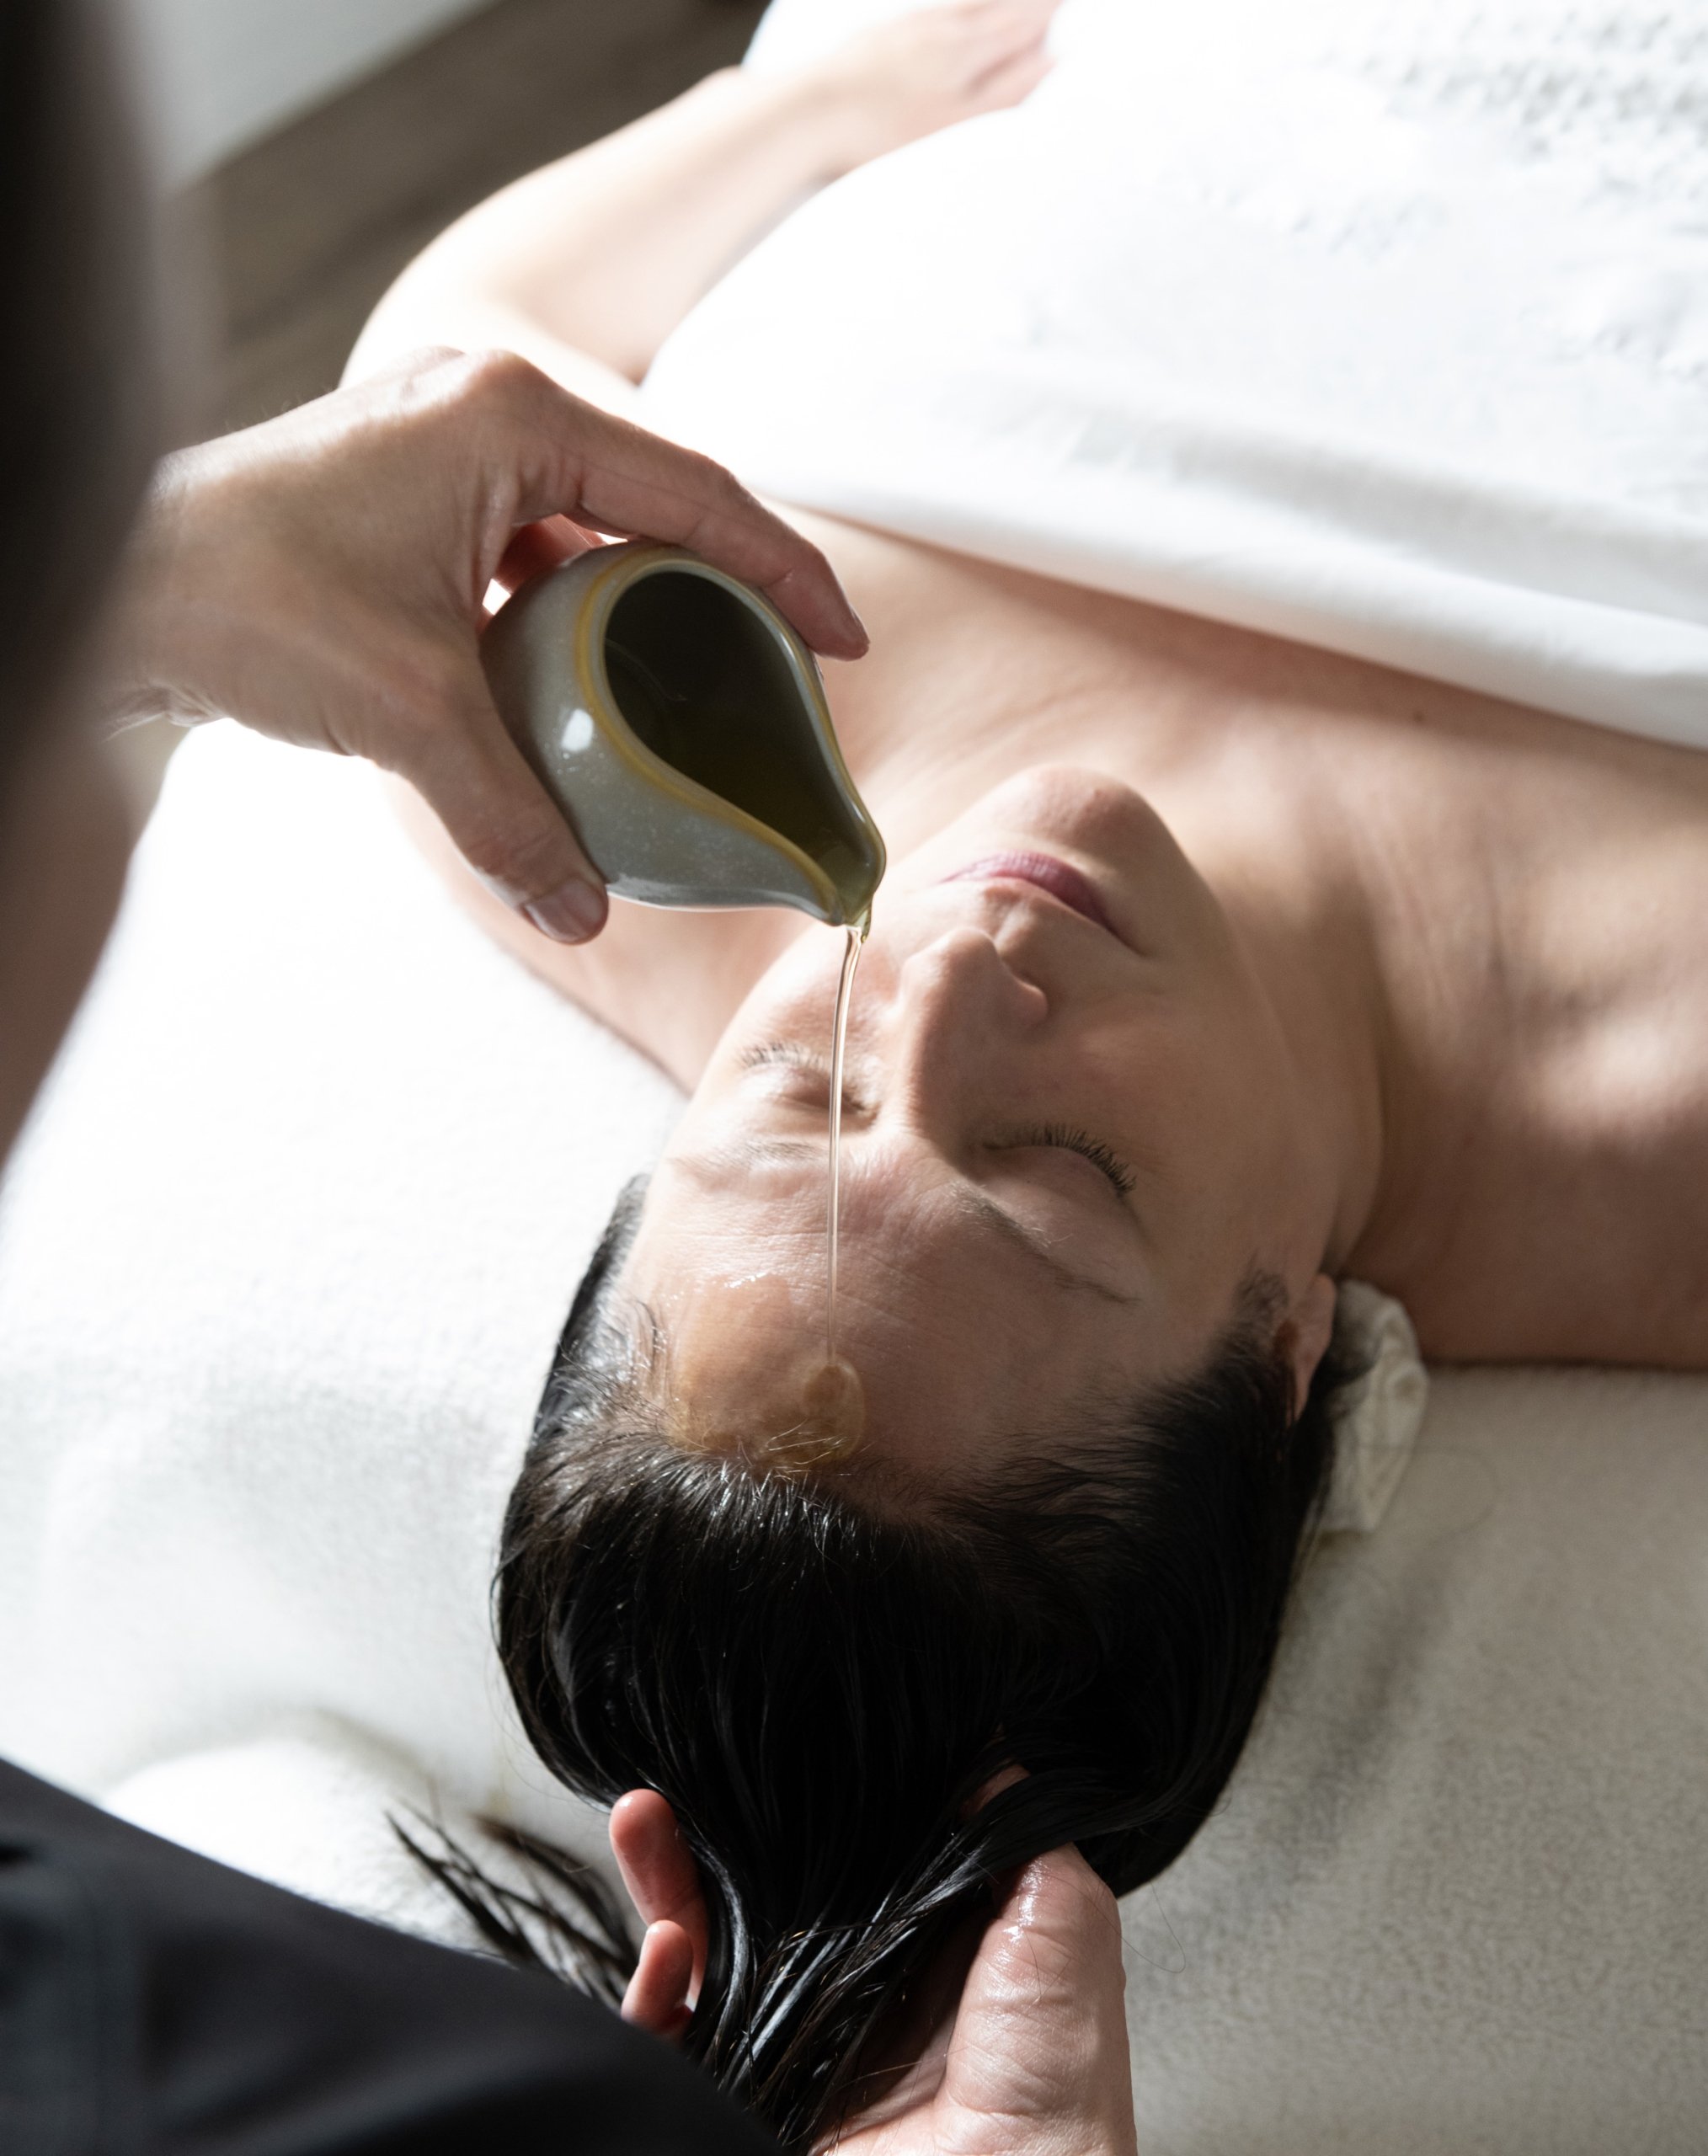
(792, 1055)
(1117, 1172)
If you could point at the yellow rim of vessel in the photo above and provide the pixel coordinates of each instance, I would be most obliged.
(606, 587)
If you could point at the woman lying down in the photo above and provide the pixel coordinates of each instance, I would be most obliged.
(1209, 970)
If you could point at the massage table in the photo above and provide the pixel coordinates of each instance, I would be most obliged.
(293, 1233)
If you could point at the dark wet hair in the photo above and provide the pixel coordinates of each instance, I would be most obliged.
(78, 389)
(819, 1683)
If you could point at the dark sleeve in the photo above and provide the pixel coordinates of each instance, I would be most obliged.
(152, 2004)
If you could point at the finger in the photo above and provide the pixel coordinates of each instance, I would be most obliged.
(1014, 80)
(501, 819)
(603, 472)
(1042, 2012)
(1058, 1917)
(659, 1870)
(1004, 1778)
(995, 32)
(687, 501)
(657, 1997)
(544, 544)
(1060, 1894)
(1007, 22)
(1019, 16)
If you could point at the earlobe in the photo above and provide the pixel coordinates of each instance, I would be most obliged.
(1310, 1328)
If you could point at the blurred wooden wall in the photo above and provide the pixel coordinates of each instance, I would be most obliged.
(304, 232)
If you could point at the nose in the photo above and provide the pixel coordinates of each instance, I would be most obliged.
(959, 1014)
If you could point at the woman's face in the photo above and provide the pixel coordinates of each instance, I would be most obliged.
(1070, 1131)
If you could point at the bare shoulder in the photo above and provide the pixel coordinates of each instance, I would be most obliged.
(1555, 886)
(666, 982)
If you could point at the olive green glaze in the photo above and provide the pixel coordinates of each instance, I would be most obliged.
(680, 724)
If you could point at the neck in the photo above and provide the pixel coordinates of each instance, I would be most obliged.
(1295, 900)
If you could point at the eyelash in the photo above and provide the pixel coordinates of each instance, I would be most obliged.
(1091, 1149)
(782, 1052)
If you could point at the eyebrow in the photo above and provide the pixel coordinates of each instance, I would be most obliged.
(979, 1203)
(974, 1203)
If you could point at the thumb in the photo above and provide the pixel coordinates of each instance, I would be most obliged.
(504, 823)
(1040, 2045)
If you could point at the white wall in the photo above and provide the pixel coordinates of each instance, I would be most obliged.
(225, 71)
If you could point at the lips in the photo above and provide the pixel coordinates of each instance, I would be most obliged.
(1069, 885)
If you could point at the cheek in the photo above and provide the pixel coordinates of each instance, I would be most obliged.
(1210, 1131)
(1165, 1081)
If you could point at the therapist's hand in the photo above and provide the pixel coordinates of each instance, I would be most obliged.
(323, 579)
(1036, 2062)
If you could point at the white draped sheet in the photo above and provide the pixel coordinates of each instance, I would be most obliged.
(1382, 324)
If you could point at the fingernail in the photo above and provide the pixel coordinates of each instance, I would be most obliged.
(570, 914)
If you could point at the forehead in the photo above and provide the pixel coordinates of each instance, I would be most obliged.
(961, 1337)
(779, 1185)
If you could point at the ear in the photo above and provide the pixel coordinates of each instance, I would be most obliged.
(1310, 1328)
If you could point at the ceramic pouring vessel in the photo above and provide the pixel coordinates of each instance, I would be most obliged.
(680, 724)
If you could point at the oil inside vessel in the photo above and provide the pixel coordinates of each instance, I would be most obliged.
(705, 682)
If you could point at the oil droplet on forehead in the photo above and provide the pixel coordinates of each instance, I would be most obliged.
(833, 1404)
(785, 1420)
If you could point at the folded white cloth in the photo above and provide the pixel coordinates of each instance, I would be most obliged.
(1382, 324)
(1379, 1414)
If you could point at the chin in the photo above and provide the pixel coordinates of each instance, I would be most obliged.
(1074, 805)
(1080, 815)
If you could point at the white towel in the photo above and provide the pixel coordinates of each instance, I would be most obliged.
(282, 1264)
(280, 1271)
(1382, 324)
(1456, 1901)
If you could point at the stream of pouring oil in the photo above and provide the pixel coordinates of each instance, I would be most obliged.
(839, 1041)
